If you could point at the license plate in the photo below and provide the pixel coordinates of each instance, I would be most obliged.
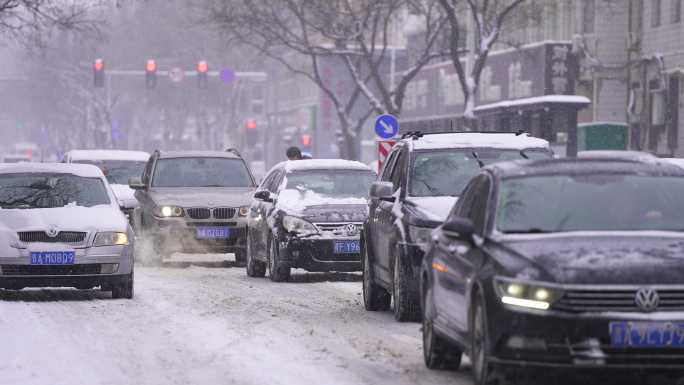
(211, 232)
(647, 334)
(347, 247)
(52, 258)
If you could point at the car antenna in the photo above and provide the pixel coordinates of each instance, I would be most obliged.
(478, 159)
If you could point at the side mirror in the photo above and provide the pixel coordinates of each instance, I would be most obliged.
(129, 204)
(382, 191)
(136, 184)
(263, 195)
(461, 229)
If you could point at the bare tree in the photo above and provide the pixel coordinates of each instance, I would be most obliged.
(489, 17)
(300, 33)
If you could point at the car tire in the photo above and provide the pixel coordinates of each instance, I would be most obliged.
(437, 352)
(124, 290)
(481, 367)
(276, 273)
(405, 310)
(255, 268)
(375, 297)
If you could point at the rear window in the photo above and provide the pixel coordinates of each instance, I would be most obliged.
(36, 190)
(120, 171)
(201, 172)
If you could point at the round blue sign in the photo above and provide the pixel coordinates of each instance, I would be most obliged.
(386, 126)
(227, 75)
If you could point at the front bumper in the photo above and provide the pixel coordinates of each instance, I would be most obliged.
(181, 234)
(522, 337)
(317, 254)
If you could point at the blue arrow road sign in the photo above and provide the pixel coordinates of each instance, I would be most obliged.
(45, 139)
(227, 75)
(386, 126)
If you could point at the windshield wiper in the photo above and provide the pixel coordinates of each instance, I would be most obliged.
(478, 159)
(524, 155)
(534, 230)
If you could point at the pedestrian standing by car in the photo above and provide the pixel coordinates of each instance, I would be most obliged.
(294, 153)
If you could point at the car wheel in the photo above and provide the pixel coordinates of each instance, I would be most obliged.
(374, 297)
(437, 353)
(255, 268)
(481, 367)
(404, 309)
(277, 273)
(124, 290)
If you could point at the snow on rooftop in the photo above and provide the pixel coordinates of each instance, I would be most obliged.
(108, 155)
(570, 99)
(83, 170)
(312, 164)
(479, 140)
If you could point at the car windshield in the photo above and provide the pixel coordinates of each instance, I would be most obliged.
(120, 171)
(591, 202)
(201, 172)
(334, 183)
(35, 190)
(447, 173)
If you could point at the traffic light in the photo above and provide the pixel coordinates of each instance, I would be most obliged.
(202, 69)
(306, 140)
(98, 71)
(252, 134)
(151, 75)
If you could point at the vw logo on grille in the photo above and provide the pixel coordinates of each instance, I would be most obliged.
(52, 233)
(351, 229)
(647, 299)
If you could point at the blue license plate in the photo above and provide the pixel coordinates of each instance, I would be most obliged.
(211, 232)
(347, 247)
(647, 334)
(52, 258)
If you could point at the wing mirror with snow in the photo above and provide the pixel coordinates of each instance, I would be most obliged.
(263, 195)
(136, 184)
(382, 191)
(460, 229)
(129, 204)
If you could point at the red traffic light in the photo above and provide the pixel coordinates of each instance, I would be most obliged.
(99, 65)
(306, 140)
(151, 66)
(251, 125)
(202, 67)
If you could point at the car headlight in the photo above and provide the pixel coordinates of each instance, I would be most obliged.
(526, 294)
(419, 234)
(110, 239)
(168, 211)
(298, 225)
(243, 211)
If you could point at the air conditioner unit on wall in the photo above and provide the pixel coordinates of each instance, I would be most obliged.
(632, 41)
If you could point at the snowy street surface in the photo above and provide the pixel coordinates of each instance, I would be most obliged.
(207, 325)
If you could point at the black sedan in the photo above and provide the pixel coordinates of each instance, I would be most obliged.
(571, 264)
(308, 214)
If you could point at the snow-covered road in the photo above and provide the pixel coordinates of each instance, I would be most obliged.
(202, 325)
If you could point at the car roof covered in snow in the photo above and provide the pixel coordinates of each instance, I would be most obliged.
(108, 155)
(322, 164)
(78, 169)
(513, 141)
(197, 154)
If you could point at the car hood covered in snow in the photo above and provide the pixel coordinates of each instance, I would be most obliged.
(335, 213)
(317, 207)
(620, 258)
(202, 196)
(427, 211)
(122, 191)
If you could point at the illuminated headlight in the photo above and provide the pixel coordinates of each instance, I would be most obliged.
(419, 234)
(243, 211)
(110, 239)
(526, 295)
(167, 211)
(298, 225)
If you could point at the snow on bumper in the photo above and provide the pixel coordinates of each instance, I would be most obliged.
(317, 254)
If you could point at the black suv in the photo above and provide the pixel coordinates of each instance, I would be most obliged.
(416, 188)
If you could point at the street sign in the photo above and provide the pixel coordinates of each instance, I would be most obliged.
(386, 126)
(227, 75)
(114, 124)
(45, 139)
(176, 74)
(384, 147)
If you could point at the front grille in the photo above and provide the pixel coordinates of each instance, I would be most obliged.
(81, 269)
(224, 212)
(211, 224)
(617, 300)
(199, 213)
(338, 228)
(61, 237)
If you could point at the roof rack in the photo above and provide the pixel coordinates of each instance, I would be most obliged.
(234, 151)
(417, 134)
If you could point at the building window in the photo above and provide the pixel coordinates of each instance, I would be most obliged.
(655, 13)
(589, 15)
(676, 11)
